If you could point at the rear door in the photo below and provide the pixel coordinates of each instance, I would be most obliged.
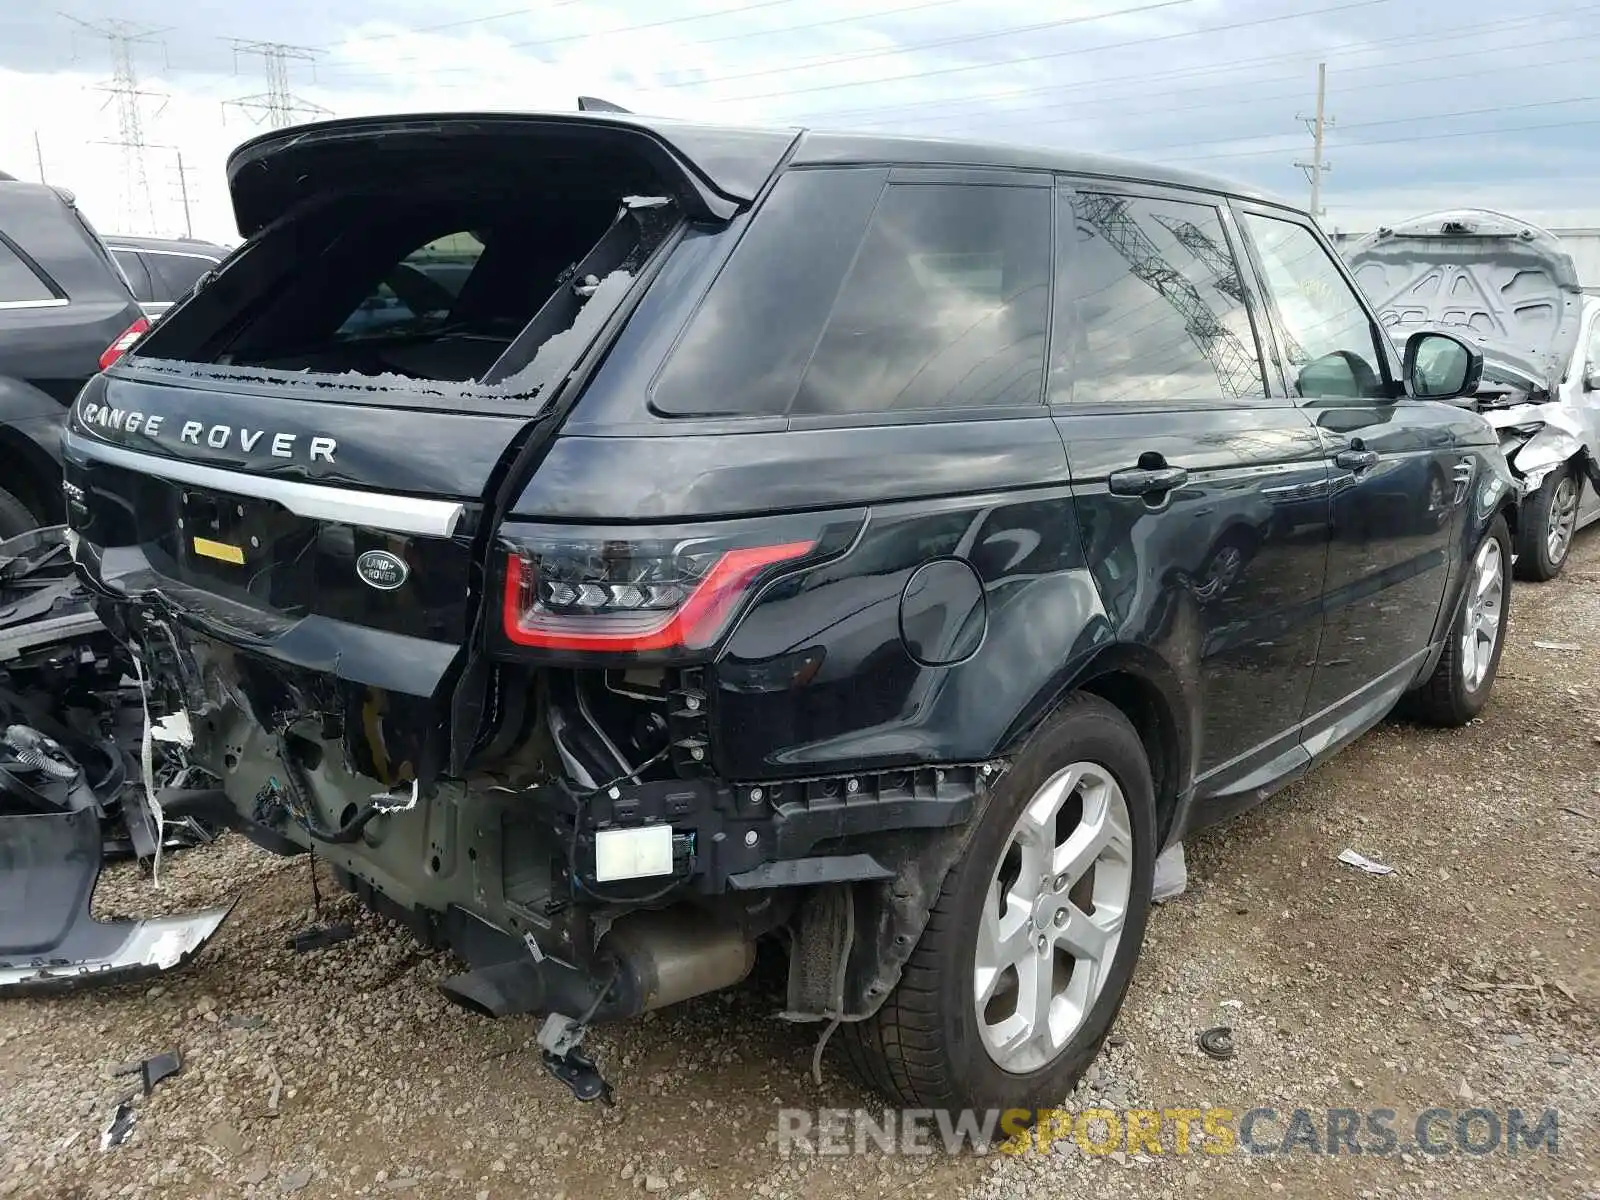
(1201, 488)
(1399, 479)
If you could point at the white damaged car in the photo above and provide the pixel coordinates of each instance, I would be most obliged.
(1513, 287)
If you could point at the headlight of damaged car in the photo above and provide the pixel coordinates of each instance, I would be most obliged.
(1514, 437)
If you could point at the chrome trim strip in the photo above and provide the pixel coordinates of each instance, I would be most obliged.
(370, 510)
(53, 302)
(126, 249)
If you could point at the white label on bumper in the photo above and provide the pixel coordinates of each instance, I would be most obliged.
(632, 853)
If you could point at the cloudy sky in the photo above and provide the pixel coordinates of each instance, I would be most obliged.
(1435, 103)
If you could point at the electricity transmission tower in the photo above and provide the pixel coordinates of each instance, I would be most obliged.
(1318, 125)
(278, 107)
(123, 90)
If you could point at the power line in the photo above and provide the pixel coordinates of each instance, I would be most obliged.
(1230, 68)
(1407, 81)
(1054, 54)
(963, 40)
(1424, 137)
(515, 12)
(1467, 112)
(859, 16)
(123, 90)
(599, 33)
(440, 28)
(278, 106)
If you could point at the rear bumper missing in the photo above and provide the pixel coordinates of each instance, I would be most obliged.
(49, 942)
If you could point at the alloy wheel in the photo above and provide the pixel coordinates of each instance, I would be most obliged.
(1563, 520)
(1053, 917)
(1485, 600)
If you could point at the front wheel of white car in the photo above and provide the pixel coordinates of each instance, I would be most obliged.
(1460, 684)
(1548, 521)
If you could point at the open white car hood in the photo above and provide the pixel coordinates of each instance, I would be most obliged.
(1510, 286)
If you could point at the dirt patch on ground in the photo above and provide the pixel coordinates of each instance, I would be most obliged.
(1469, 978)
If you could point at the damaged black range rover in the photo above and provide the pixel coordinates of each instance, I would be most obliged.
(613, 543)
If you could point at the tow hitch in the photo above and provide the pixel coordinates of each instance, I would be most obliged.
(559, 1038)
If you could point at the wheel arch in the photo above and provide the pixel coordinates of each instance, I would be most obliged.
(33, 475)
(1149, 693)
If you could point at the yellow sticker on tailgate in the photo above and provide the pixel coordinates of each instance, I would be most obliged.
(220, 551)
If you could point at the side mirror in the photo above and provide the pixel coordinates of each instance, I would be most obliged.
(1441, 367)
(1591, 378)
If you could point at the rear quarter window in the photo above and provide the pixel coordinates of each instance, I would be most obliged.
(855, 294)
(20, 284)
(177, 273)
(137, 274)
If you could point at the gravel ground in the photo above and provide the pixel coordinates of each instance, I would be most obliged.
(1470, 977)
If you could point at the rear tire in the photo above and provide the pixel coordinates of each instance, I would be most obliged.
(1548, 520)
(15, 516)
(1461, 681)
(932, 1045)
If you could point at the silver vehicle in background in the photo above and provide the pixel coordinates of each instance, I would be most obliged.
(1513, 287)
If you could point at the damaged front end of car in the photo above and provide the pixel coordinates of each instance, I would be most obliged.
(1512, 288)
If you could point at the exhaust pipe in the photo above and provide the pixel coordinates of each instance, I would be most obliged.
(660, 958)
(503, 990)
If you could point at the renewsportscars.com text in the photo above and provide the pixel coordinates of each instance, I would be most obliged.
(1378, 1132)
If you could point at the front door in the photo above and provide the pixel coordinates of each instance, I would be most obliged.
(1201, 491)
(1399, 479)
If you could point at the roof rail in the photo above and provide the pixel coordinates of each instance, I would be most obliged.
(595, 104)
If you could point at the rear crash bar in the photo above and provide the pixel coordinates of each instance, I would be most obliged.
(49, 941)
(717, 837)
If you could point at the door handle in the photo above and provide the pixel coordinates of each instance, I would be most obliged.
(1146, 481)
(1356, 460)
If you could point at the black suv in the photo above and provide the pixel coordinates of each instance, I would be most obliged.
(163, 271)
(62, 303)
(877, 547)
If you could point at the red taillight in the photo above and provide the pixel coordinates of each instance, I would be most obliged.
(125, 342)
(622, 601)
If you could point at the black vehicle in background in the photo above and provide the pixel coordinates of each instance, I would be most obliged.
(62, 303)
(163, 271)
(879, 546)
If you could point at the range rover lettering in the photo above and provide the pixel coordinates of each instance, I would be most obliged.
(880, 548)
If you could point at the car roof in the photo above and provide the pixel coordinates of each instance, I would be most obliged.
(737, 159)
(819, 147)
(118, 241)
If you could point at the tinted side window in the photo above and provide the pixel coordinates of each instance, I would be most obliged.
(1151, 307)
(945, 305)
(132, 264)
(940, 300)
(749, 343)
(178, 273)
(1328, 337)
(18, 282)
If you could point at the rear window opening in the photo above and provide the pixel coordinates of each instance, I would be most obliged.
(469, 281)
